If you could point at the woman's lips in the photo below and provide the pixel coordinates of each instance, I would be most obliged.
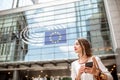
(75, 49)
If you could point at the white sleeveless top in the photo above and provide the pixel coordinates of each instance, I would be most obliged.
(75, 66)
(87, 76)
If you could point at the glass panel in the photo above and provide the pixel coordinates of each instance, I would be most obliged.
(49, 33)
(4, 3)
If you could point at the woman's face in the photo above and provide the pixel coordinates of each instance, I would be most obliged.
(77, 47)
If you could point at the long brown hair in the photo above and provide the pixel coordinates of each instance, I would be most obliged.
(86, 46)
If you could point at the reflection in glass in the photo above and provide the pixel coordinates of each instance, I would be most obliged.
(49, 33)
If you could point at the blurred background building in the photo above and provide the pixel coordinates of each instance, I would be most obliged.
(37, 37)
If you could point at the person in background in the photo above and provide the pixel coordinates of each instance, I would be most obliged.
(81, 69)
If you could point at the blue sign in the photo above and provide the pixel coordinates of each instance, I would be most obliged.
(55, 36)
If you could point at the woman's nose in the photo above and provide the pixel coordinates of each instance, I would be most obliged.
(74, 46)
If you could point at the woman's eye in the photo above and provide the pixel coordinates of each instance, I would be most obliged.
(77, 44)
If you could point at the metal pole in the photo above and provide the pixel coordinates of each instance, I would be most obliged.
(16, 75)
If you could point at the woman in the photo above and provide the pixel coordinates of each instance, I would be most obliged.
(81, 72)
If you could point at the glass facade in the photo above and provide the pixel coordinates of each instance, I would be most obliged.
(11, 4)
(48, 33)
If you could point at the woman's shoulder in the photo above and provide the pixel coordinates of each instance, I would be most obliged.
(75, 61)
(96, 57)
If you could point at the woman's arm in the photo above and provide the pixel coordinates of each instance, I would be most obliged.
(80, 71)
(77, 78)
(76, 74)
(104, 70)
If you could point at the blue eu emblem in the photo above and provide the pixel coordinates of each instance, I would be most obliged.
(55, 36)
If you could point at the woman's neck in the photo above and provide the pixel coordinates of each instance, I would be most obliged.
(83, 59)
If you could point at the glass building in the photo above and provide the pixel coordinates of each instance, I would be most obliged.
(37, 38)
